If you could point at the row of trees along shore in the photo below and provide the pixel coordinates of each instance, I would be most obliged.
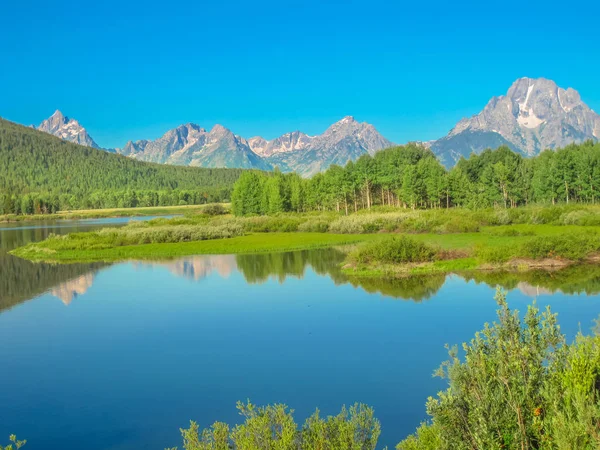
(53, 202)
(411, 177)
(42, 174)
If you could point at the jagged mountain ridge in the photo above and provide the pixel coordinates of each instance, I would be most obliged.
(534, 115)
(68, 129)
(344, 141)
(192, 145)
(296, 151)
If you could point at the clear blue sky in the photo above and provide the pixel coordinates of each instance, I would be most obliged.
(132, 70)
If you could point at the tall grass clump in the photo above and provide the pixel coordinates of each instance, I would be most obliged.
(118, 237)
(396, 250)
(314, 226)
(367, 223)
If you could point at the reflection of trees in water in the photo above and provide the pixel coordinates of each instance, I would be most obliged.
(21, 280)
(582, 279)
(416, 288)
(258, 268)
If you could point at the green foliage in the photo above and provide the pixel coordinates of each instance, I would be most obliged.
(14, 445)
(215, 209)
(314, 226)
(396, 250)
(567, 246)
(43, 174)
(411, 177)
(519, 386)
(273, 427)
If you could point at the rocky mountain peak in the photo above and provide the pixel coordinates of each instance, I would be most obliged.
(67, 129)
(534, 115)
(220, 129)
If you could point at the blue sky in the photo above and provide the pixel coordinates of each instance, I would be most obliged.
(132, 70)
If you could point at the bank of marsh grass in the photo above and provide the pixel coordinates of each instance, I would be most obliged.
(440, 240)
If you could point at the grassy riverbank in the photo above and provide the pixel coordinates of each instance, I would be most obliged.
(513, 247)
(452, 240)
(251, 243)
(105, 213)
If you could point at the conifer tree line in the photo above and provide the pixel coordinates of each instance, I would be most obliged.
(411, 177)
(40, 173)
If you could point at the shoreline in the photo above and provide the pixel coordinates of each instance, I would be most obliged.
(106, 213)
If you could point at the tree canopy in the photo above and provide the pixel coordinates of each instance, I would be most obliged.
(411, 177)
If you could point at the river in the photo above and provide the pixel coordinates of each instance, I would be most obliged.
(120, 356)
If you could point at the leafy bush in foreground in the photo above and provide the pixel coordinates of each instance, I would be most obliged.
(273, 427)
(520, 386)
(396, 250)
(14, 445)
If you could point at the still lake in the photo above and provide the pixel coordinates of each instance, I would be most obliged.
(120, 356)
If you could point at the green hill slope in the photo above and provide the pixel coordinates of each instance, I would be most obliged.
(42, 173)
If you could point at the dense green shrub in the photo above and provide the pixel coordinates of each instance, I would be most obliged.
(493, 255)
(273, 427)
(572, 247)
(215, 209)
(396, 250)
(519, 386)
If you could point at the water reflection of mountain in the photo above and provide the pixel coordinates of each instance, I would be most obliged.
(584, 279)
(197, 267)
(21, 280)
(70, 290)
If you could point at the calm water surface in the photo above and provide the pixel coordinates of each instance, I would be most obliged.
(121, 356)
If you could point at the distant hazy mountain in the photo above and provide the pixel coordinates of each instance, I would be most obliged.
(343, 141)
(191, 145)
(67, 129)
(533, 116)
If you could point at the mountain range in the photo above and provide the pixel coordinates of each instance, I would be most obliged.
(534, 115)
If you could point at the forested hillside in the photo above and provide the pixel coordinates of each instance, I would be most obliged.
(43, 174)
(411, 176)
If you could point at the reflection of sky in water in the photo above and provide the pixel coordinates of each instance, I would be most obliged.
(144, 347)
(79, 223)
